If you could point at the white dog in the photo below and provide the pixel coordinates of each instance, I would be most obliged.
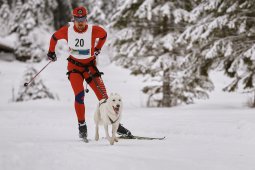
(109, 113)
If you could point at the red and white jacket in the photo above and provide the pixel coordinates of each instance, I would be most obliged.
(81, 44)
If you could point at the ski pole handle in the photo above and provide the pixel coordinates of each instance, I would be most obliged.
(26, 84)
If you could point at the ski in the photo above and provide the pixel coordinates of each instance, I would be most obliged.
(141, 137)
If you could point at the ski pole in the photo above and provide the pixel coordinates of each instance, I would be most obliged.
(26, 84)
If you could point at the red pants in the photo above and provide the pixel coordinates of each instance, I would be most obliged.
(76, 81)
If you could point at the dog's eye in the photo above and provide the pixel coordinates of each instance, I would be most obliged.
(120, 100)
(113, 100)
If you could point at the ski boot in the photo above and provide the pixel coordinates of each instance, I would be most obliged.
(83, 131)
(122, 131)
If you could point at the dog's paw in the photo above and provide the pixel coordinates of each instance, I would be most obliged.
(116, 140)
(111, 141)
(97, 137)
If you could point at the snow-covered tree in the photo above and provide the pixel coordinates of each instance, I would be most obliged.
(34, 20)
(100, 11)
(31, 20)
(223, 31)
(5, 15)
(62, 14)
(77, 3)
(145, 44)
(35, 90)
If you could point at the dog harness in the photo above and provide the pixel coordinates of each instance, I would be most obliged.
(112, 122)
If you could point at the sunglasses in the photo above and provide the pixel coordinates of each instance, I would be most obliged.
(80, 19)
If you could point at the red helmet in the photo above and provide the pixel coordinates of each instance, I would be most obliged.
(80, 12)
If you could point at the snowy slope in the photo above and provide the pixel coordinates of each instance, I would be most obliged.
(217, 134)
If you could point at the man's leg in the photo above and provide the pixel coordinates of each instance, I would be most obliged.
(99, 88)
(76, 81)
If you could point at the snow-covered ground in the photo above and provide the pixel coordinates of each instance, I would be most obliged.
(216, 134)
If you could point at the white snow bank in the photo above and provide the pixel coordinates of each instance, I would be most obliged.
(9, 41)
(214, 134)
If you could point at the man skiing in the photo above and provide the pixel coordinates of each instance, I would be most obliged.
(81, 38)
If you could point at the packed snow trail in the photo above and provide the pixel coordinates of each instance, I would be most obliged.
(215, 134)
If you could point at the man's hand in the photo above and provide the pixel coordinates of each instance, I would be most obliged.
(52, 56)
(97, 52)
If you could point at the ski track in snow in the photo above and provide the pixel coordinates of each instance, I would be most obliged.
(216, 134)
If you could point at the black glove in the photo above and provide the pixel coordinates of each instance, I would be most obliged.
(97, 52)
(52, 56)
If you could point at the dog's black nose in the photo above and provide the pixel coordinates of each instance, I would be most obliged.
(118, 105)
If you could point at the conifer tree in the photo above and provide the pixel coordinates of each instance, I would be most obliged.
(100, 12)
(35, 90)
(31, 20)
(5, 15)
(223, 31)
(145, 44)
(63, 13)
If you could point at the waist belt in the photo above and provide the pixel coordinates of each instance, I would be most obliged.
(86, 69)
(91, 63)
